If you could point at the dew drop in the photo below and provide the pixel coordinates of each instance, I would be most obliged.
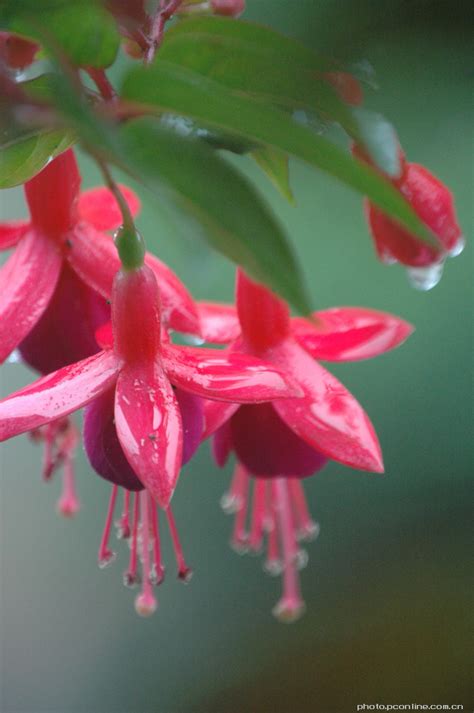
(425, 278)
(458, 247)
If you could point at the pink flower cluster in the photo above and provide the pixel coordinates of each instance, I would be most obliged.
(101, 337)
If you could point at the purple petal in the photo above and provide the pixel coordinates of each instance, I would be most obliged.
(266, 446)
(102, 445)
(192, 416)
(65, 332)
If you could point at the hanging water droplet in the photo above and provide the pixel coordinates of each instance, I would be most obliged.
(425, 278)
(107, 559)
(458, 248)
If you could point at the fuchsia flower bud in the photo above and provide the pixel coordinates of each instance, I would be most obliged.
(347, 87)
(433, 202)
(229, 8)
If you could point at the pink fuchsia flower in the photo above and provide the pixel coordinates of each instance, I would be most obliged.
(142, 368)
(292, 440)
(65, 233)
(433, 202)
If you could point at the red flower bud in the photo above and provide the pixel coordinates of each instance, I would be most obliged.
(17, 52)
(229, 8)
(347, 87)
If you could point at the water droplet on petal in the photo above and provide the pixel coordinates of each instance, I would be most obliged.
(458, 247)
(425, 278)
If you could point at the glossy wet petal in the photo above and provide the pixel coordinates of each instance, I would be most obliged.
(98, 207)
(27, 281)
(216, 413)
(226, 376)
(149, 427)
(93, 256)
(219, 322)
(327, 417)
(57, 394)
(350, 333)
(11, 232)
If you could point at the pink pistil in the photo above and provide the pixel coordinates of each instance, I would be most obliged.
(291, 605)
(307, 528)
(145, 603)
(184, 572)
(68, 504)
(273, 564)
(106, 556)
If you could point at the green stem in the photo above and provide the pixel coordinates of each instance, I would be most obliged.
(128, 241)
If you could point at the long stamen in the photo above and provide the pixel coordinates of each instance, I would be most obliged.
(258, 516)
(123, 524)
(157, 570)
(49, 460)
(130, 577)
(232, 501)
(307, 528)
(106, 556)
(291, 605)
(68, 504)
(273, 564)
(145, 603)
(239, 540)
(184, 572)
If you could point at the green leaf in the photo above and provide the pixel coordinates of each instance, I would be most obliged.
(258, 62)
(233, 218)
(23, 158)
(84, 31)
(166, 87)
(274, 164)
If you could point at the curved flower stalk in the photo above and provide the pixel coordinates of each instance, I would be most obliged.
(433, 202)
(64, 234)
(142, 368)
(281, 441)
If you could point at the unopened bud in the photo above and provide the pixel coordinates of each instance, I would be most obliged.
(229, 8)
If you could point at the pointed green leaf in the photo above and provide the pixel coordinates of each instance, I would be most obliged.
(24, 157)
(166, 87)
(274, 164)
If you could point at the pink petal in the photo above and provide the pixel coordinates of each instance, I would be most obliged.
(225, 376)
(216, 413)
(11, 232)
(94, 257)
(98, 207)
(219, 323)
(27, 281)
(350, 333)
(148, 423)
(327, 417)
(57, 394)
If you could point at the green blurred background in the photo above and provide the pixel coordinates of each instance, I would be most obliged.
(387, 581)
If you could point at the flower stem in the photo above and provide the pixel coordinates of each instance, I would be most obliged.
(128, 241)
